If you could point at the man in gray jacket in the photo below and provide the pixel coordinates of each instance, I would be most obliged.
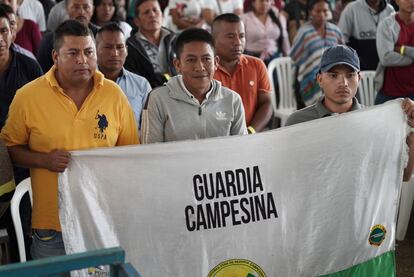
(192, 105)
(358, 23)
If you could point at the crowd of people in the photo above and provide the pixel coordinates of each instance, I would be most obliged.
(103, 73)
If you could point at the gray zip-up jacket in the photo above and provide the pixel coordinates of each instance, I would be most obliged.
(172, 113)
(358, 23)
(387, 37)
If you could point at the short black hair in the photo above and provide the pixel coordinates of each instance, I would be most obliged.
(111, 27)
(138, 3)
(5, 11)
(312, 3)
(191, 35)
(70, 28)
(225, 17)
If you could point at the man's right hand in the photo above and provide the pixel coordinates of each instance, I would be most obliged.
(57, 160)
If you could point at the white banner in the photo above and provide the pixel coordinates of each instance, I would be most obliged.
(306, 200)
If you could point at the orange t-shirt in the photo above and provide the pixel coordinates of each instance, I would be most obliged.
(249, 80)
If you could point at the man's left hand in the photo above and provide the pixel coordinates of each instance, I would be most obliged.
(408, 107)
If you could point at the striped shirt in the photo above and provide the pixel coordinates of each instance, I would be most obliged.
(306, 52)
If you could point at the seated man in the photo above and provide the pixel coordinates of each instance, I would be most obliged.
(244, 74)
(80, 10)
(111, 52)
(192, 105)
(150, 50)
(71, 107)
(338, 78)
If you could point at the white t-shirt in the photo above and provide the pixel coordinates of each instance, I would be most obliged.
(187, 8)
(126, 28)
(33, 10)
(227, 6)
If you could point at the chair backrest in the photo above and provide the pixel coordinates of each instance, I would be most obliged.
(366, 89)
(284, 72)
(21, 189)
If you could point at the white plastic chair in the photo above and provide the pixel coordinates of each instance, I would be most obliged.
(21, 189)
(287, 101)
(366, 89)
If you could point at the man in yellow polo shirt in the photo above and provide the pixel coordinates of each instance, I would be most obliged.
(71, 107)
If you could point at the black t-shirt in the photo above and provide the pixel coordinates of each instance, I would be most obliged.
(21, 71)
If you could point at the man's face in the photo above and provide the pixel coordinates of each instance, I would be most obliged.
(5, 37)
(229, 40)
(339, 85)
(76, 59)
(149, 17)
(13, 25)
(81, 10)
(111, 50)
(197, 65)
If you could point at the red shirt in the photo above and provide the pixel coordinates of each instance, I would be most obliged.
(249, 80)
(398, 80)
(29, 36)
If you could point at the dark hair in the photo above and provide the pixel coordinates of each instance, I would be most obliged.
(114, 17)
(312, 3)
(69, 27)
(225, 17)
(7, 9)
(138, 3)
(382, 6)
(112, 27)
(190, 35)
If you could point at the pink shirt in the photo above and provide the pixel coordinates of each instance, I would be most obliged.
(263, 37)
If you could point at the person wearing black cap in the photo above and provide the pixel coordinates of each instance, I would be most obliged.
(338, 78)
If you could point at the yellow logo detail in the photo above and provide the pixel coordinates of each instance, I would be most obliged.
(237, 268)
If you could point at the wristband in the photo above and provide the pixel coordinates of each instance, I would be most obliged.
(251, 130)
(402, 50)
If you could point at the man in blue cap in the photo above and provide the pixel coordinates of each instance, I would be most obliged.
(338, 79)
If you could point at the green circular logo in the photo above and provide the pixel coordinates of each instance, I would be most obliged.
(237, 268)
(377, 235)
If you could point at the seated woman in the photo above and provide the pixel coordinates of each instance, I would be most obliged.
(183, 14)
(215, 8)
(107, 11)
(266, 34)
(308, 46)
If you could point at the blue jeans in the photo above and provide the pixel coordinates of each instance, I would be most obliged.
(47, 243)
(381, 98)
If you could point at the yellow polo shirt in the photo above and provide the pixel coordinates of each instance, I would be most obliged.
(43, 117)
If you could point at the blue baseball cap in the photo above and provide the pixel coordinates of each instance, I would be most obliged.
(339, 54)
